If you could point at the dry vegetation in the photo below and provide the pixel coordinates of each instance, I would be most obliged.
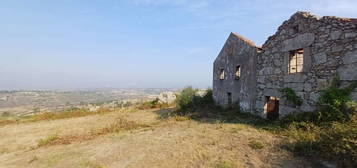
(192, 134)
(140, 138)
(70, 113)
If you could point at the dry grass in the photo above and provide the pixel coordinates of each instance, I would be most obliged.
(48, 140)
(7, 121)
(225, 164)
(71, 113)
(138, 139)
(120, 124)
(255, 144)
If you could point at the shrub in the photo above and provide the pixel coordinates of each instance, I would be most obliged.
(186, 99)
(298, 117)
(333, 103)
(291, 96)
(304, 136)
(189, 100)
(153, 104)
(207, 99)
(339, 141)
(331, 140)
(120, 124)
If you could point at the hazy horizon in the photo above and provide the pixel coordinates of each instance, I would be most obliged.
(47, 45)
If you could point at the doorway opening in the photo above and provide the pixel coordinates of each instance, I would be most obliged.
(229, 96)
(272, 107)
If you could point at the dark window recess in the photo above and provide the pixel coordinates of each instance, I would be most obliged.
(238, 72)
(229, 96)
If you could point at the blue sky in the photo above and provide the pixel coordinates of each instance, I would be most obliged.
(69, 44)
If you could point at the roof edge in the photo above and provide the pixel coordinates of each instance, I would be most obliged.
(246, 40)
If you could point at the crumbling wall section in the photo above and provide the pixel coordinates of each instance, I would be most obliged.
(330, 49)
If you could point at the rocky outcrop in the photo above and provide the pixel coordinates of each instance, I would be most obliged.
(167, 97)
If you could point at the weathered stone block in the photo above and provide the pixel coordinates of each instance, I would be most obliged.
(295, 86)
(272, 92)
(294, 78)
(285, 110)
(277, 62)
(350, 57)
(259, 105)
(261, 79)
(306, 107)
(301, 41)
(321, 84)
(335, 35)
(348, 72)
(350, 35)
(307, 87)
(337, 48)
(320, 58)
(314, 96)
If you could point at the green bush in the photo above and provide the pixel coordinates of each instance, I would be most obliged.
(186, 100)
(189, 100)
(152, 104)
(333, 103)
(339, 141)
(291, 96)
(298, 117)
(331, 140)
(304, 136)
(330, 132)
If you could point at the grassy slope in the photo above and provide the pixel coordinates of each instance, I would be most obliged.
(172, 142)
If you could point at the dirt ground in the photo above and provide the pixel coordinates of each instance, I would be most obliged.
(164, 143)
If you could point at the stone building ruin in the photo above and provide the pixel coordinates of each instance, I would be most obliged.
(305, 54)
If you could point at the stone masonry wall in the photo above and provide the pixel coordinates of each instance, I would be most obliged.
(330, 49)
(242, 52)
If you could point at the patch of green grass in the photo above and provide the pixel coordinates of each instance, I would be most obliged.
(254, 144)
(46, 141)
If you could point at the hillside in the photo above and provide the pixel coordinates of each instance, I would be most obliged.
(140, 138)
